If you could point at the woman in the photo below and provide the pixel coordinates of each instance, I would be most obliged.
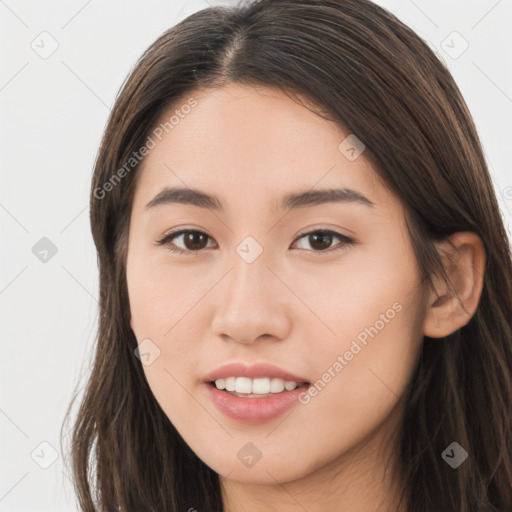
(305, 281)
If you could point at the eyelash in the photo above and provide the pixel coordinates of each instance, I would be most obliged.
(345, 241)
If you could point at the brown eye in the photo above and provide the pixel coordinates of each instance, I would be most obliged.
(194, 240)
(191, 240)
(320, 241)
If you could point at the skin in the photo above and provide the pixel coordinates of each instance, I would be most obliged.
(292, 306)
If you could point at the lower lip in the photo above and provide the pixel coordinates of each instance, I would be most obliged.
(254, 410)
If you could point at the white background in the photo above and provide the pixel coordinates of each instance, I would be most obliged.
(53, 112)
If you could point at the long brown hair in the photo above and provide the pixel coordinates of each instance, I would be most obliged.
(375, 77)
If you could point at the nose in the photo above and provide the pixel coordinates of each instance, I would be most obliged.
(252, 303)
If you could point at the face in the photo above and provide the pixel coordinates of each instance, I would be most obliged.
(318, 293)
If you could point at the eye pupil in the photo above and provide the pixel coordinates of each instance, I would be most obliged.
(325, 240)
(193, 237)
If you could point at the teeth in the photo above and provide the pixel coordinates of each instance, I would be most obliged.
(276, 385)
(243, 385)
(289, 385)
(230, 384)
(259, 386)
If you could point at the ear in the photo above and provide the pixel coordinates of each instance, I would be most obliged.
(464, 262)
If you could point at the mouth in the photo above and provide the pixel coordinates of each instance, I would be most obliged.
(263, 387)
(253, 393)
(254, 401)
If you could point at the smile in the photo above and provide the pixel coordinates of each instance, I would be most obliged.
(253, 393)
(255, 388)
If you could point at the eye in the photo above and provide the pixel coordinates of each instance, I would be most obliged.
(192, 239)
(320, 241)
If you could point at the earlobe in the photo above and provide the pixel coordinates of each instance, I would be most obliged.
(452, 307)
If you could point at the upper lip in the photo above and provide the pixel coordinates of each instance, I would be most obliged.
(253, 371)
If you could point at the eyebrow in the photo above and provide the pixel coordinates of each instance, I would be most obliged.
(170, 195)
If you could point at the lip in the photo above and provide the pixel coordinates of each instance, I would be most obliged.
(253, 410)
(254, 371)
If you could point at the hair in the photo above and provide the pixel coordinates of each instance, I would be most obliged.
(375, 77)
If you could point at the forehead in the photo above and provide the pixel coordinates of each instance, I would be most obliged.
(255, 140)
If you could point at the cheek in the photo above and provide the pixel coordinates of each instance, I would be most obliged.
(377, 344)
(365, 351)
(162, 295)
(162, 311)
(164, 320)
(370, 366)
(361, 375)
(367, 295)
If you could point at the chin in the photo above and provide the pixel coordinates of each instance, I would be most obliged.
(270, 465)
(268, 474)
